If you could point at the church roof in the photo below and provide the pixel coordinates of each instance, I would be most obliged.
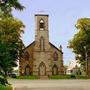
(55, 47)
(41, 15)
(49, 43)
(29, 45)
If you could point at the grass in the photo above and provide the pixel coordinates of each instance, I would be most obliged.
(53, 77)
(60, 77)
(68, 77)
(5, 87)
(27, 77)
(82, 77)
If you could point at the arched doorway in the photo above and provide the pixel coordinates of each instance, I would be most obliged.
(42, 69)
(55, 70)
(27, 70)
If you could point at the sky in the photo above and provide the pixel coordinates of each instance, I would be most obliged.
(63, 15)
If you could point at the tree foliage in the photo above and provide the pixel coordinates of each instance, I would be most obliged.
(8, 5)
(80, 44)
(11, 44)
(10, 38)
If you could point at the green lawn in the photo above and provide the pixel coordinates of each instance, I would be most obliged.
(82, 77)
(53, 77)
(5, 87)
(60, 77)
(68, 77)
(27, 77)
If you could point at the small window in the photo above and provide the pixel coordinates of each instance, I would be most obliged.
(41, 24)
(42, 44)
(55, 56)
(26, 55)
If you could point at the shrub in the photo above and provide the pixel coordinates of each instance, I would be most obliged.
(68, 77)
(3, 81)
(5, 87)
(60, 77)
(73, 76)
(27, 77)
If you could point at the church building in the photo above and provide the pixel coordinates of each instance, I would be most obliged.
(41, 57)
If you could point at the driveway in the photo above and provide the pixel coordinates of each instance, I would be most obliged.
(50, 84)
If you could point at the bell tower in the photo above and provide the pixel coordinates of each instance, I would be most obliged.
(41, 33)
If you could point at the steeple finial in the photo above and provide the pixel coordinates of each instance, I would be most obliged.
(60, 47)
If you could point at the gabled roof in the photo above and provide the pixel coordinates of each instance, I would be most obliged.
(55, 47)
(29, 45)
(49, 43)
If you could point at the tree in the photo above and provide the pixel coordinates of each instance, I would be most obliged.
(10, 37)
(6, 6)
(80, 44)
(11, 44)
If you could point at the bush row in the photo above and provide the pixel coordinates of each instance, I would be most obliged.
(68, 77)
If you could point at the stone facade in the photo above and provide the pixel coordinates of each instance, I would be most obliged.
(41, 57)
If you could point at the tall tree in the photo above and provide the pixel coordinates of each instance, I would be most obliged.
(11, 44)
(80, 44)
(10, 37)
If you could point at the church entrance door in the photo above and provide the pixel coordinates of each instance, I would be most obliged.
(27, 70)
(55, 70)
(42, 69)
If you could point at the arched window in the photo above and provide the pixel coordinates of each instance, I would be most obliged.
(26, 55)
(55, 56)
(41, 24)
(42, 47)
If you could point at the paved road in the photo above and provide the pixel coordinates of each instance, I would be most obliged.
(50, 84)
